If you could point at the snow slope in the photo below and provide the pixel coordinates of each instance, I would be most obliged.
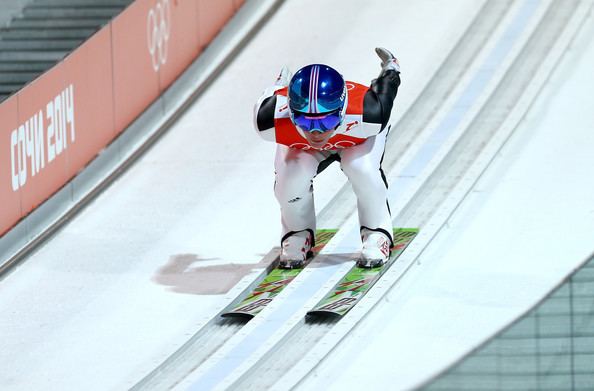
(131, 277)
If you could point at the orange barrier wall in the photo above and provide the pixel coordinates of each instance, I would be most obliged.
(56, 125)
(89, 71)
(13, 155)
(136, 85)
(181, 43)
(209, 23)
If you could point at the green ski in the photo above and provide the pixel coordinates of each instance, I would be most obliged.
(357, 282)
(274, 283)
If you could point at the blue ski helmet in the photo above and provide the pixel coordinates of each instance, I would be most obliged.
(317, 98)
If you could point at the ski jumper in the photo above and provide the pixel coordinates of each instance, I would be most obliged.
(358, 144)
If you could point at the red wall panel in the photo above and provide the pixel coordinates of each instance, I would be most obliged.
(238, 3)
(174, 36)
(212, 16)
(46, 109)
(135, 73)
(58, 123)
(88, 69)
(11, 159)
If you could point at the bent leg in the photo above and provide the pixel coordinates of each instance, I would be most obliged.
(293, 188)
(362, 165)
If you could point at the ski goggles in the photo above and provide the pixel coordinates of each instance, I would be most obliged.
(309, 122)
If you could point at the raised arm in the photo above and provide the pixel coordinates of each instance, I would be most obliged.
(379, 99)
(266, 104)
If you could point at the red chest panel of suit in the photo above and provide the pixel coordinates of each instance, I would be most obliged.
(287, 133)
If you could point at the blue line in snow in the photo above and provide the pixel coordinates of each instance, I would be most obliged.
(472, 91)
(260, 334)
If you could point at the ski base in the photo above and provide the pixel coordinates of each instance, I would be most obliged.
(274, 283)
(358, 281)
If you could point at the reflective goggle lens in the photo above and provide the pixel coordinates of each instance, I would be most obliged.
(316, 122)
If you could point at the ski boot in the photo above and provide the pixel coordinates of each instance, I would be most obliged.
(296, 249)
(376, 248)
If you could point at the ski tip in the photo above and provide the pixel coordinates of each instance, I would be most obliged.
(370, 266)
(237, 315)
(315, 316)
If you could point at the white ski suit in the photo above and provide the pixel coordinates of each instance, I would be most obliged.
(358, 144)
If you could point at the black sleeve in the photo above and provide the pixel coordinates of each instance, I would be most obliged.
(265, 117)
(379, 99)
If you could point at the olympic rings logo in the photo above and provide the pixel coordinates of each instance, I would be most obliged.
(158, 30)
(327, 147)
